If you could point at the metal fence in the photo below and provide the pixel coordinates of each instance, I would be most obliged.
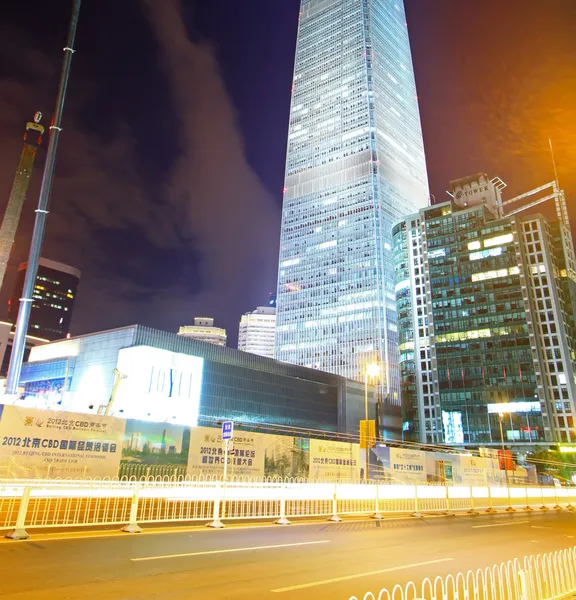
(129, 470)
(541, 577)
(32, 504)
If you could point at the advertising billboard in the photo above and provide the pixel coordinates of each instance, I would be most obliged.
(166, 450)
(453, 428)
(334, 460)
(207, 456)
(472, 470)
(159, 385)
(58, 444)
(154, 449)
(401, 465)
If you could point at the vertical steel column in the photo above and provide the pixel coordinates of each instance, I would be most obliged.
(41, 214)
(367, 432)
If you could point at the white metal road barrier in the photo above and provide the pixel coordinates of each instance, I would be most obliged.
(542, 577)
(33, 504)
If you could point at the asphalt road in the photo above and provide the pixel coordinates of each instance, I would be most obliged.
(307, 561)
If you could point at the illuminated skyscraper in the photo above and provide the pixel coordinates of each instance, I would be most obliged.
(53, 299)
(486, 320)
(355, 164)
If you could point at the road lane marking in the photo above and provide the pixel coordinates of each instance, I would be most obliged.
(541, 527)
(359, 575)
(499, 524)
(227, 550)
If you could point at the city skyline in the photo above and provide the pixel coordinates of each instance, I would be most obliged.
(476, 102)
(395, 176)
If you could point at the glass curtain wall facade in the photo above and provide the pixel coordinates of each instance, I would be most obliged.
(77, 374)
(355, 164)
(485, 327)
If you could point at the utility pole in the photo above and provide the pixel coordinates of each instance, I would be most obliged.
(19, 344)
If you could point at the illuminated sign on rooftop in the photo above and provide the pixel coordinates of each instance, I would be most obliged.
(514, 407)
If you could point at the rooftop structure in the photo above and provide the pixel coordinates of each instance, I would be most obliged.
(204, 330)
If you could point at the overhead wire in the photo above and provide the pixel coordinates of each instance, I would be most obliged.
(276, 428)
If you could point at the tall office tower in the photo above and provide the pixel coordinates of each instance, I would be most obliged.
(257, 331)
(355, 164)
(53, 299)
(204, 330)
(485, 320)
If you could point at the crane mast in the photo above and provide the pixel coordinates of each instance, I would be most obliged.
(19, 188)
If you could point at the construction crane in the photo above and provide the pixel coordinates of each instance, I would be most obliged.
(104, 409)
(19, 189)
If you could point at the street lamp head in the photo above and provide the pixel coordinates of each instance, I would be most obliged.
(373, 370)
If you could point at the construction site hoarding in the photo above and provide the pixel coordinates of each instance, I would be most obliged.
(331, 461)
(37, 443)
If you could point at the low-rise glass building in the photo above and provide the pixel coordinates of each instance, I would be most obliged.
(161, 376)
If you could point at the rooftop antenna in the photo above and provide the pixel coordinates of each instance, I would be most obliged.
(15, 368)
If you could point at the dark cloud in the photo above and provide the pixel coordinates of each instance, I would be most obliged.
(203, 240)
(233, 218)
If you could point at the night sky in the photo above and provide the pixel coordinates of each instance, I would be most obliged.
(170, 168)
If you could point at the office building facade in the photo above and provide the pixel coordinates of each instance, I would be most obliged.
(355, 164)
(204, 331)
(257, 331)
(53, 301)
(486, 325)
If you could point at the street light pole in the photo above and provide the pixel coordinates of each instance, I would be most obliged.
(504, 457)
(372, 370)
(367, 430)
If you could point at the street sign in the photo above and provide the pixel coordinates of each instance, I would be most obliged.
(505, 460)
(227, 430)
(371, 434)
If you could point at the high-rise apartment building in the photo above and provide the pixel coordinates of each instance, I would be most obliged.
(257, 331)
(204, 330)
(355, 164)
(485, 321)
(53, 297)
